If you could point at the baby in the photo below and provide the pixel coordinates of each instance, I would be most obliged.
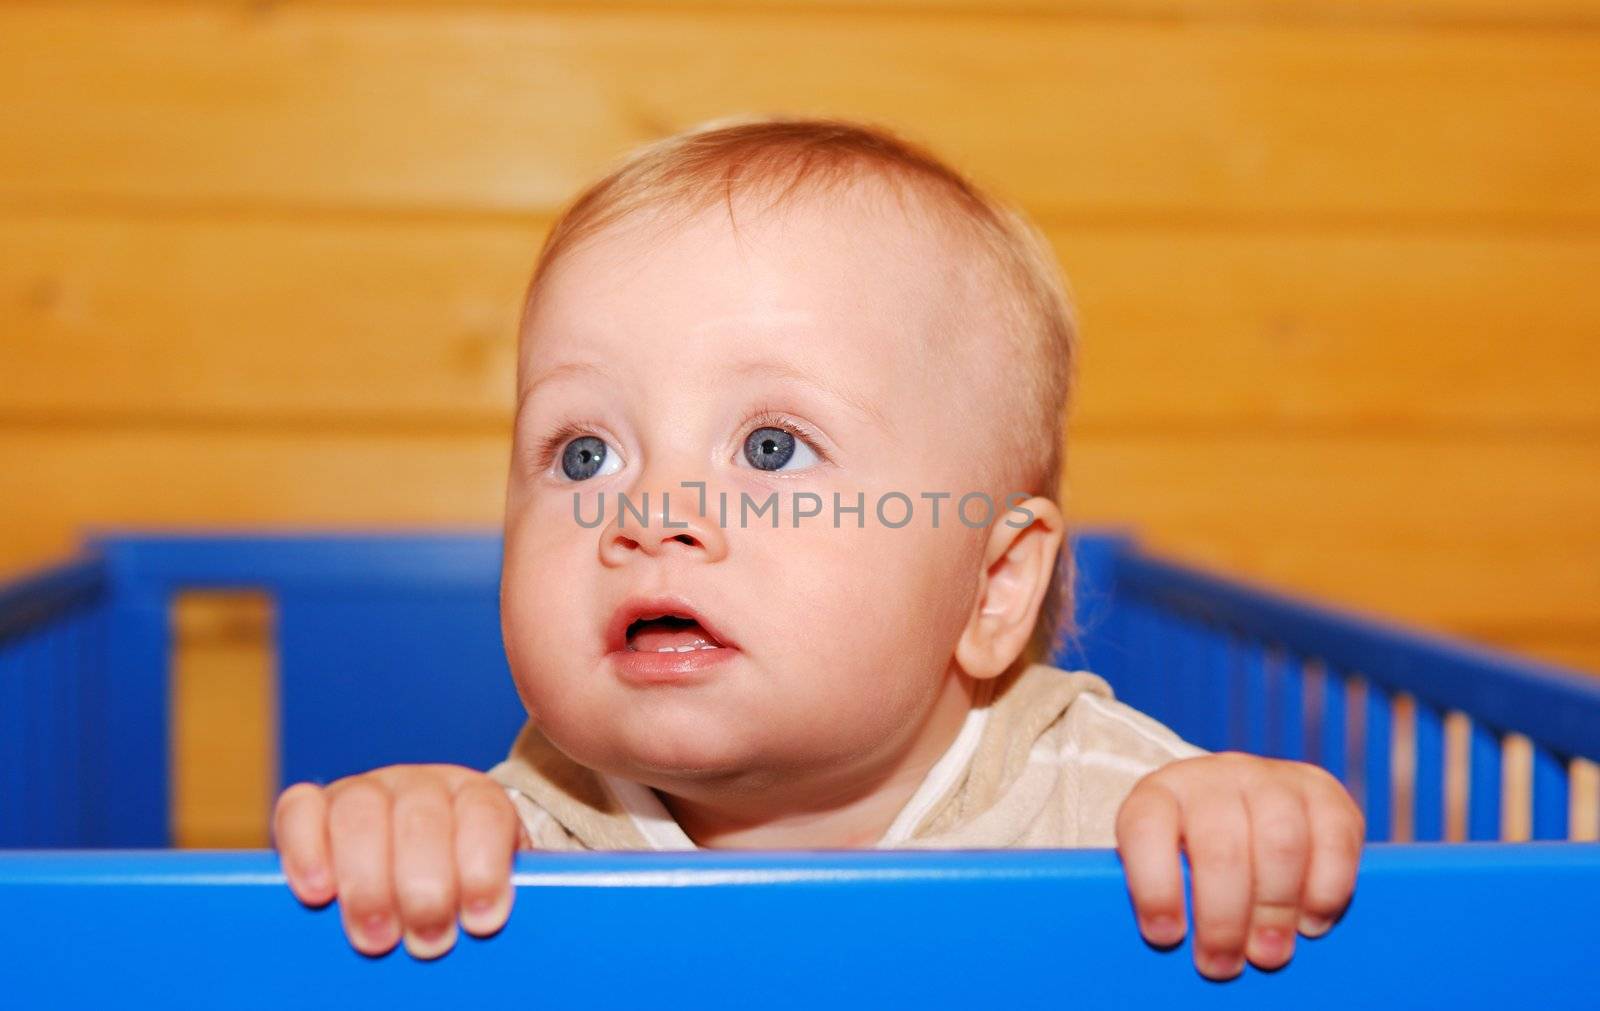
(781, 570)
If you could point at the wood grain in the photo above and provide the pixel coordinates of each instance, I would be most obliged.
(264, 321)
(1362, 12)
(513, 109)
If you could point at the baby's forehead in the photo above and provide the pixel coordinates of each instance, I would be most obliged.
(859, 263)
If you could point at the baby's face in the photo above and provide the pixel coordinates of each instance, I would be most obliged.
(817, 351)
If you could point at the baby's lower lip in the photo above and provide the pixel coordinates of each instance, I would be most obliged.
(668, 666)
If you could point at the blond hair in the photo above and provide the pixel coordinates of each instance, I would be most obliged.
(780, 156)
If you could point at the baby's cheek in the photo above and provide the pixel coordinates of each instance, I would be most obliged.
(544, 622)
(871, 598)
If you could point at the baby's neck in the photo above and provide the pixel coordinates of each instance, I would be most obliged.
(834, 815)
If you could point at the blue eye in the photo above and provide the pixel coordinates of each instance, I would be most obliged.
(774, 449)
(588, 456)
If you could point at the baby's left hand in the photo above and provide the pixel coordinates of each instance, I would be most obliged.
(1273, 847)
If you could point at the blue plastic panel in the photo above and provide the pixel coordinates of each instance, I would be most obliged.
(387, 676)
(1471, 926)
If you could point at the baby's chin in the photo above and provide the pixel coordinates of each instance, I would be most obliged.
(668, 747)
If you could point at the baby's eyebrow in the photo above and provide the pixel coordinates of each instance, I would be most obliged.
(787, 370)
(561, 371)
(766, 367)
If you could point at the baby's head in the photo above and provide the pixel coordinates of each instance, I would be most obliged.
(750, 329)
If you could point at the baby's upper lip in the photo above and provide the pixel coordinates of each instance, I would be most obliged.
(655, 606)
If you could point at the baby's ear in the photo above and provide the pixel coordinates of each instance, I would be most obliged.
(1019, 561)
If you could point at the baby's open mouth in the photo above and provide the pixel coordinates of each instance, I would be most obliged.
(669, 633)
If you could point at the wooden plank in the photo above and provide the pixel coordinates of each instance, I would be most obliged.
(265, 320)
(496, 108)
(1387, 12)
(316, 321)
(1453, 532)
(1465, 532)
(1334, 329)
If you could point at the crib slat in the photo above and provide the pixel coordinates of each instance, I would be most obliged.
(1292, 706)
(13, 706)
(92, 757)
(1272, 670)
(68, 761)
(1550, 794)
(1181, 646)
(1110, 659)
(34, 760)
(1379, 771)
(1192, 646)
(1234, 675)
(1218, 661)
(1172, 652)
(1484, 783)
(91, 665)
(1160, 652)
(1197, 658)
(1429, 782)
(1150, 679)
(1144, 681)
(55, 733)
(48, 743)
(1334, 724)
(1253, 697)
(134, 720)
(68, 766)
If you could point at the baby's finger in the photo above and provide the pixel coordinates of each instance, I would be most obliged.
(300, 831)
(358, 832)
(486, 838)
(1279, 851)
(1147, 842)
(424, 866)
(1216, 832)
(1336, 835)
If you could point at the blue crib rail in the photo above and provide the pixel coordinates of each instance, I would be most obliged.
(1489, 925)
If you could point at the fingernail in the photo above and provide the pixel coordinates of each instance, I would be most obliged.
(430, 942)
(378, 928)
(1314, 926)
(1270, 943)
(316, 878)
(1221, 966)
(484, 916)
(1163, 930)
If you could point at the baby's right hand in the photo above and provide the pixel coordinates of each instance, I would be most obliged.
(405, 849)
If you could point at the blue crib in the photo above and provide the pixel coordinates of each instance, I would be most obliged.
(388, 650)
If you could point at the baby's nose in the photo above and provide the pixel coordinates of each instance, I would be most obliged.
(660, 523)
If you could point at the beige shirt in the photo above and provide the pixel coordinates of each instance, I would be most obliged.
(1043, 760)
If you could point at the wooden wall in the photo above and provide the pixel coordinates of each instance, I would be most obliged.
(259, 262)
